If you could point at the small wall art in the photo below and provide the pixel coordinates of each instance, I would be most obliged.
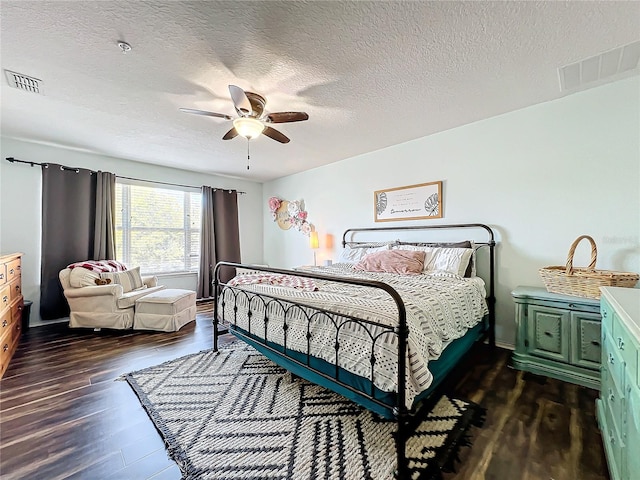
(413, 202)
(289, 214)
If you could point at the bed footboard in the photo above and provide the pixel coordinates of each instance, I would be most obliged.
(224, 293)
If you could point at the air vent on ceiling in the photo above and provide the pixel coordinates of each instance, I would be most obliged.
(23, 82)
(599, 67)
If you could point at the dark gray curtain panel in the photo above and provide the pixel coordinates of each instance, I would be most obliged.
(105, 229)
(77, 225)
(219, 236)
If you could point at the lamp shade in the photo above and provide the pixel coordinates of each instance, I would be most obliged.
(313, 240)
(248, 127)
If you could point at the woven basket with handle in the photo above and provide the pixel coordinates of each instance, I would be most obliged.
(584, 282)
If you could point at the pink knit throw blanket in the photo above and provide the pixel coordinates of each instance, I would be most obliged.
(100, 266)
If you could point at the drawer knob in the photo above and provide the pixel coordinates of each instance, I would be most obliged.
(6, 347)
(612, 397)
(1, 276)
(604, 314)
(4, 323)
(611, 359)
(5, 299)
(620, 343)
(11, 272)
(612, 439)
(595, 343)
(17, 288)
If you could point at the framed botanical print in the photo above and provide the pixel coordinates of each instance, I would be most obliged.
(413, 202)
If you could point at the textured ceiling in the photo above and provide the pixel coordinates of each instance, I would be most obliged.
(369, 74)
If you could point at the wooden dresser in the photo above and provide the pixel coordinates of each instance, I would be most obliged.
(557, 336)
(618, 408)
(11, 306)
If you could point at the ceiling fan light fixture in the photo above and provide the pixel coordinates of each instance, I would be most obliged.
(248, 127)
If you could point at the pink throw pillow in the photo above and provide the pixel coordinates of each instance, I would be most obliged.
(393, 261)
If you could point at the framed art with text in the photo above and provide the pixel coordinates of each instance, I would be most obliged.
(413, 202)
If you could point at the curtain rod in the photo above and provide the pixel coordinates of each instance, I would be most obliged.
(75, 169)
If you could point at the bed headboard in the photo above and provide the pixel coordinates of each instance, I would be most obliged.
(488, 241)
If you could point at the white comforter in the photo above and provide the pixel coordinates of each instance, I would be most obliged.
(440, 308)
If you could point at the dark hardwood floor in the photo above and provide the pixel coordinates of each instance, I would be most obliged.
(64, 414)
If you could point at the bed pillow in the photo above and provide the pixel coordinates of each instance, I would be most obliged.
(454, 260)
(470, 270)
(354, 255)
(393, 261)
(129, 279)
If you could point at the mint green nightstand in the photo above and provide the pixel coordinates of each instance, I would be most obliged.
(558, 336)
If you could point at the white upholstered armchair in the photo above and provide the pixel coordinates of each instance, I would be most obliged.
(102, 306)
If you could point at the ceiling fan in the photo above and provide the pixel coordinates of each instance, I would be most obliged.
(252, 120)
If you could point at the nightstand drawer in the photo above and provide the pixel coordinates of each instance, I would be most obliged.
(586, 335)
(549, 333)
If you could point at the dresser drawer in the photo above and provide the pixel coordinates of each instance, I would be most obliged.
(626, 346)
(13, 269)
(607, 315)
(612, 361)
(5, 324)
(15, 290)
(613, 394)
(6, 344)
(613, 438)
(16, 331)
(633, 434)
(16, 311)
(5, 296)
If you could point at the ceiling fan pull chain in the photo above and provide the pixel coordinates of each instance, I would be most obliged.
(248, 157)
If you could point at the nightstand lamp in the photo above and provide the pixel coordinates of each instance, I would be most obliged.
(314, 244)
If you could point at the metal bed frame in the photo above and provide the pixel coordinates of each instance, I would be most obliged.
(405, 420)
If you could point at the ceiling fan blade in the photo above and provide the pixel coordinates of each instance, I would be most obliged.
(285, 117)
(275, 134)
(205, 113)
(230, 134)
(240, 100)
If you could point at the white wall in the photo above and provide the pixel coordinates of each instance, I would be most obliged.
(20, 206)
(540, 176)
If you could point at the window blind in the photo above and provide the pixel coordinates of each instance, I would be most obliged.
(157, 227)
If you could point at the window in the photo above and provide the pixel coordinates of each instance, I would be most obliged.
(157, 227)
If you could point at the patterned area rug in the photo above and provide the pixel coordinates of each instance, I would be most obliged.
(234, 415)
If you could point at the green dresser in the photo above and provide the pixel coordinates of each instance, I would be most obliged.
(557, 336)
(618, 407)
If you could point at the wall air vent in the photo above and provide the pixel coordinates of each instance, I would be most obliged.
(24, 82)
(600, 68)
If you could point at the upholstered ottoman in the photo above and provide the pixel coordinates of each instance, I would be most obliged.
(165, 310)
